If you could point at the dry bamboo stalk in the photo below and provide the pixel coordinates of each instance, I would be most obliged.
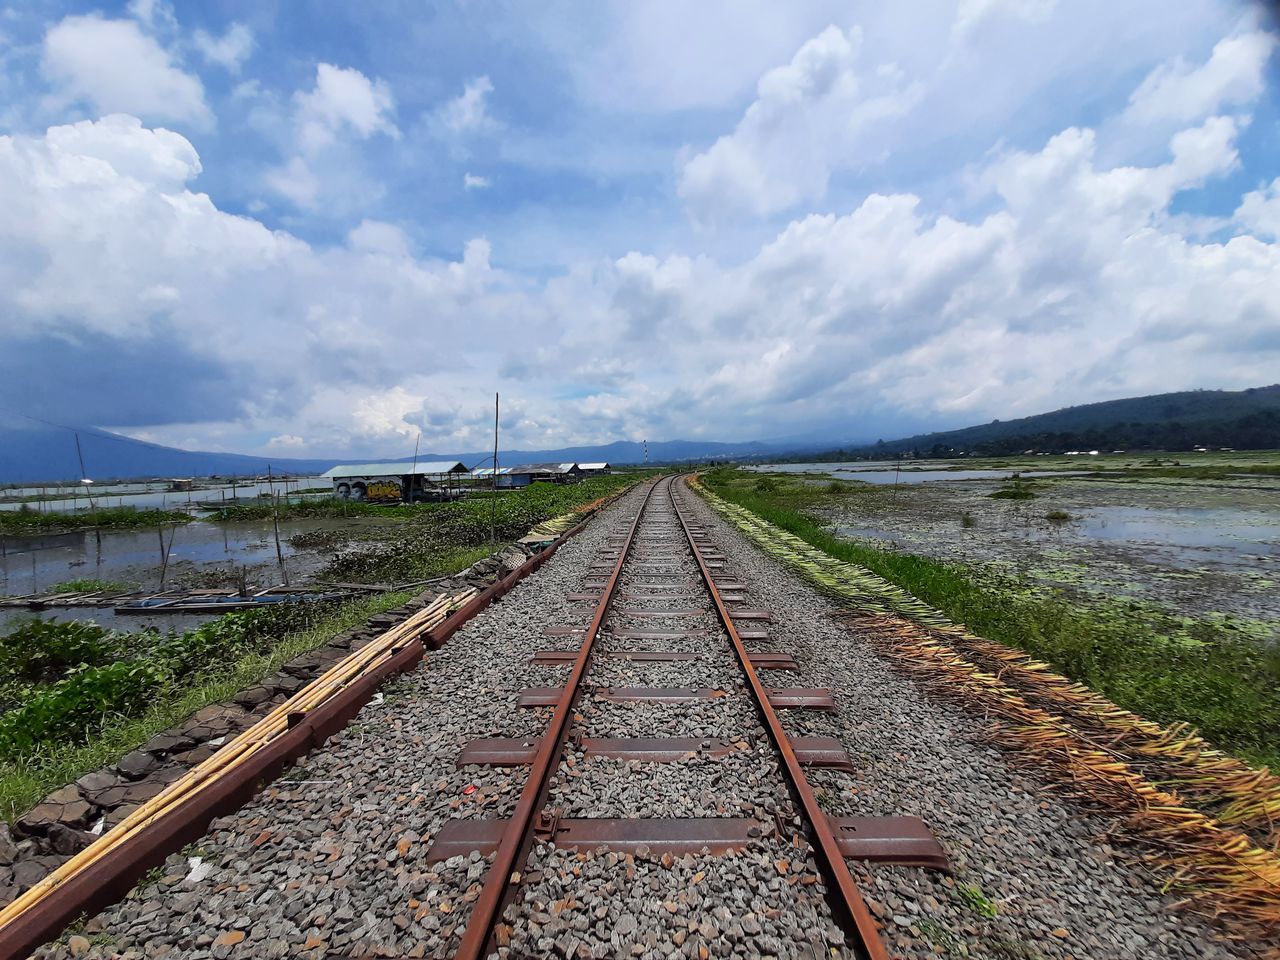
(242, 747)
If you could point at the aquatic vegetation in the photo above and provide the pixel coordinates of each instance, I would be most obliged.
(26, 521)
(94, 715)
(1058, 516)
(89, 585)
(1015, 490)
(1200, 841)
(1207, 671)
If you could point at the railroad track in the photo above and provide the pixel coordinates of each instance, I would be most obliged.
(661, 605)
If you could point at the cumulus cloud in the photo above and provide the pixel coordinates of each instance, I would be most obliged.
(343, 108)
(1074, 281)
(472, 181)
(228, 51)
(116, 68)
(1180, 92)
(468, 113)
(343, 101)
(809, 117)
(1259, 211)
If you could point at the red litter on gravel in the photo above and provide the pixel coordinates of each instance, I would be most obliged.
(469, 790)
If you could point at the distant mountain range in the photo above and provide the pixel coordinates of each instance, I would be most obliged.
(38, 453)
(1239, 419)
(1243, 419)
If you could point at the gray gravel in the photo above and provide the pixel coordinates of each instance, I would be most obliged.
(1057, 886)
(334, 861)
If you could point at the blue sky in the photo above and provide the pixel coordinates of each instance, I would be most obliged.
(317, 228)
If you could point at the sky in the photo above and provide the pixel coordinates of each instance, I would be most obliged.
(320, 229)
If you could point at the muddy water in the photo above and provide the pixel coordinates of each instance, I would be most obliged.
(1200, 550)
(879, 472)
(158, 496)
(200, 554)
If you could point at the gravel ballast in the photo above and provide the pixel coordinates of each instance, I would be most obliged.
(333, 859)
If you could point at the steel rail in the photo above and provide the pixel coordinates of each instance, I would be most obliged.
(842, 893)
(504, 873)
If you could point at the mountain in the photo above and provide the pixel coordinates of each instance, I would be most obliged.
(1240, 419)
(34, 453)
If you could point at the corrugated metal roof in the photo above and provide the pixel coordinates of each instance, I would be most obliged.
(396, 469)
(488, 471)
(543, 468)
(593, 466)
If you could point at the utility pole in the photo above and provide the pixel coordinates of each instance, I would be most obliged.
(493, 514)
(413, 477)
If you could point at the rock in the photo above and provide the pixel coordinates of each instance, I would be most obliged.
(137, 765)
(68, 841)
(27, 873)
(78, 945)
(253, 696)
(8, 849)
(39, 819)
(91, 783)
(166, 743)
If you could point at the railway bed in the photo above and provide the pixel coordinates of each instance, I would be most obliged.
(382, 843)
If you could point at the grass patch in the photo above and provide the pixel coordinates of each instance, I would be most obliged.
(433, 538)
(26, 778)
(26, 520)
(1058, 516)
(1165, 667)
(1015, 490)
(89, 585)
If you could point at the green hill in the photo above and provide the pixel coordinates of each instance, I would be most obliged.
(1239, 419)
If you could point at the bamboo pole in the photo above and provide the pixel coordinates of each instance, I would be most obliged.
(239, 750)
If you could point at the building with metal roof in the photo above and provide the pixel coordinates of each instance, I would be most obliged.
(406, 481)
(594, 467)
(553, 472)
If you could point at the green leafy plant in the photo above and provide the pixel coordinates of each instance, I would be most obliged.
(977, 901)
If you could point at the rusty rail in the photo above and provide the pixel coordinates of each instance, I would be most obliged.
(842, 893)
(115, 874)
(504, 873)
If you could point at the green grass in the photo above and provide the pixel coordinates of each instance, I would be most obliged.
(25, 780)
(109, 518)
(89, 585)
(1164, 667)
(429, 538)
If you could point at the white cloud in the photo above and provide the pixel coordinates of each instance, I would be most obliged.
(1180, 93)
(343, 102)
(343, 108)
(1073, 283)
(670, 55)
(971, 13)
(809, 118)
(115, 67)
(154, 14)
(471, 181)
(1259, 211)
(228, 51)
(468, 113)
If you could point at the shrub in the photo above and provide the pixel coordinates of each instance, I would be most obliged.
(76, 708)
(43, 650)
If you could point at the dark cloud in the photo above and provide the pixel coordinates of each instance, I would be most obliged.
(99, 379)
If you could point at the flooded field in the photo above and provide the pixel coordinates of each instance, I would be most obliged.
(200, 554)
(1206, 549)
(155, 494)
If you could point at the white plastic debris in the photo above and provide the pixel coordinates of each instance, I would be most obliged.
(199, 869)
